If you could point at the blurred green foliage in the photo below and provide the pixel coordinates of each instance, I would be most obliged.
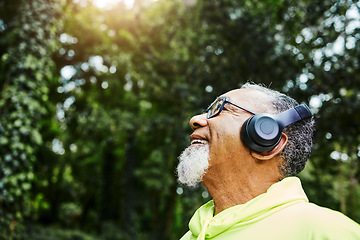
(95, 104)
(27, 41)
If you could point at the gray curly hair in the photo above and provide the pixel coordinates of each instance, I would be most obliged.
(300, 134)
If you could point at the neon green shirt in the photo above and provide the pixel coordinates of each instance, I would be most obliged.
(282, 213)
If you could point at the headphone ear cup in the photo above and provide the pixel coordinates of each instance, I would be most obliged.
(245, 136)
(261, 133)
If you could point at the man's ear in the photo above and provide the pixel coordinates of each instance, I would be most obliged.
(269, 155)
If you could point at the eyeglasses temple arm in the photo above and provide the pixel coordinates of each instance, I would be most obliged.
(247, 110)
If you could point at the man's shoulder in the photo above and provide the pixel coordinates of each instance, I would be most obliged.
(322, 221)
(311, 211)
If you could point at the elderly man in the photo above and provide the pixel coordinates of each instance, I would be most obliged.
(246, 160)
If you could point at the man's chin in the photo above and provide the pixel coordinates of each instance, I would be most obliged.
(194, 162)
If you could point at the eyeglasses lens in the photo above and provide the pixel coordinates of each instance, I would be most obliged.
(215, 108)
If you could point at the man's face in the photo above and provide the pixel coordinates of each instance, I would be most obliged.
(215, 142)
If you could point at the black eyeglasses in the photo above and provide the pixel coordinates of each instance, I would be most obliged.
(216, 107)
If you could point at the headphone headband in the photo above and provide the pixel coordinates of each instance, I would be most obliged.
(292, 115)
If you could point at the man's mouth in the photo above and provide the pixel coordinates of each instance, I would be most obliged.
(196, 139)
(199, 141)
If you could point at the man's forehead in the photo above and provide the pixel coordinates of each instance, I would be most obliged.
(241, 94)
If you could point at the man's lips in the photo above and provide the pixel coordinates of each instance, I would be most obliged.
(197, 139)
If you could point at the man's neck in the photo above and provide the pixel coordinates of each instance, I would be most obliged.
(231, 191)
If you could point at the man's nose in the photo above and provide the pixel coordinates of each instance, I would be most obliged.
(198, 121)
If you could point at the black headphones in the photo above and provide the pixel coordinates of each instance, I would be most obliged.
(262, 132)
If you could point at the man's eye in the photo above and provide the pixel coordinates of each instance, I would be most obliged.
(217, 107)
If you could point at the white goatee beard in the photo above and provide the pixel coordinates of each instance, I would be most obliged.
(193, 164)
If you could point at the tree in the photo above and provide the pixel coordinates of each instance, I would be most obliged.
(27, 40)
